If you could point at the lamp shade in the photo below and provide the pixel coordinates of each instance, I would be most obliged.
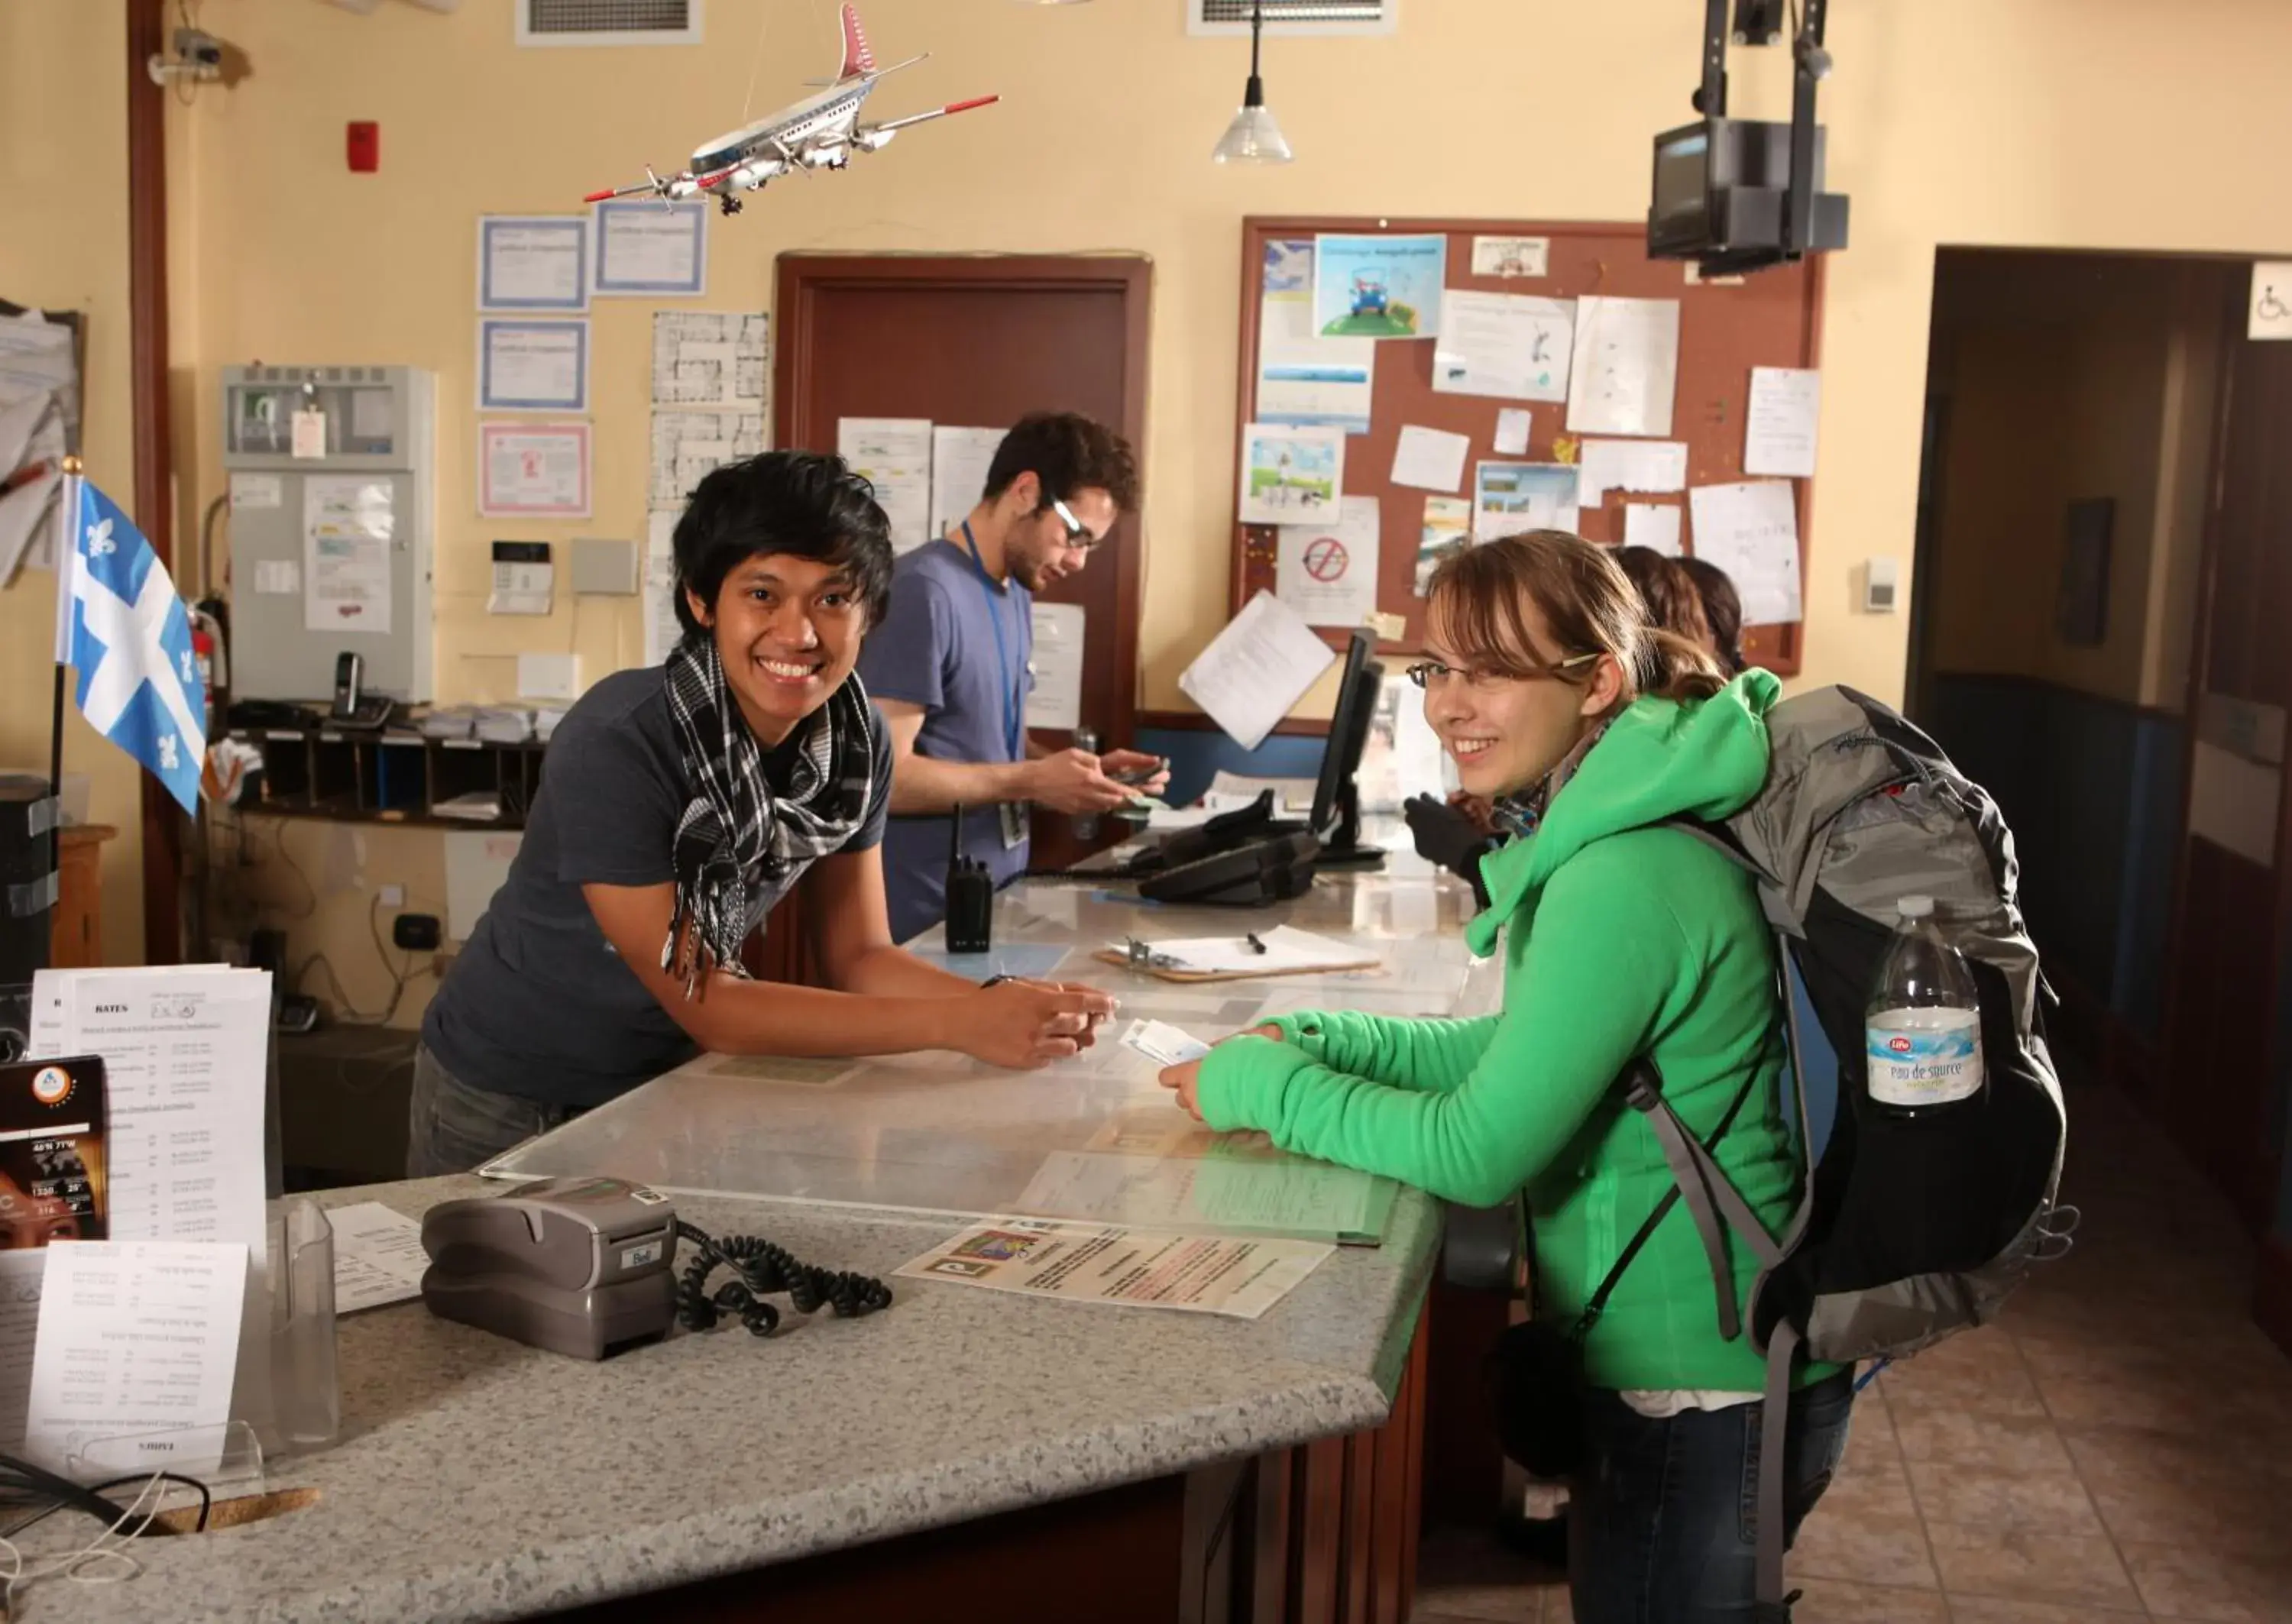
(1253, 137)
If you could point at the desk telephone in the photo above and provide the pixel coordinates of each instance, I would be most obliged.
(353, 706)
(587, 1266)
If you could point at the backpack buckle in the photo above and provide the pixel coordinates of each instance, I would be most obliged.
(1643, 1090)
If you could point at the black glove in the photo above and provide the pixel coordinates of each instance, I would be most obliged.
(1447, 837)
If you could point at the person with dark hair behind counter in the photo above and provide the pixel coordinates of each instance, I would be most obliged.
(678, 804)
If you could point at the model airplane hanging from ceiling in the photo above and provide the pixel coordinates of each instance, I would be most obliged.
(821, 132)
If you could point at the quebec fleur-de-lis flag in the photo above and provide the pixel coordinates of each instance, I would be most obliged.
(126, 635)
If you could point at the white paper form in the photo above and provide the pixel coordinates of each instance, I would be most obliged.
(1751, 531)
(710, 358)
(1327, 573)
(1284, 948)
(1648, 524)
(533, 366)
(1087, 1263)
(1625, 367)
(378, 1255)
(960, 458)
(20, 1279)
(533, 470)
(185, 1050)
(1062, 639)
(686, 445)
(1430, 459)
(1163, 1043)
(661, 628)
(1256, 669)
(347, 524)
(1778, 424)
(1508, 345)
(1514, 425)
(135, 1337)
(1629, 465)
(533, 261)
(894, 455)
(643, 245)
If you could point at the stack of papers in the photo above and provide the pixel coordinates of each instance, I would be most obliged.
(477, 806)
(504, 725)
(450, 722)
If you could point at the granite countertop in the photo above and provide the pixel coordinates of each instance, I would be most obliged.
(478, 1478)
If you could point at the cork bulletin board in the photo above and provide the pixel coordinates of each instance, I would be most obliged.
(1771, 319)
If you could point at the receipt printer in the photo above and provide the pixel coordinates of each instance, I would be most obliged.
(577, 1266)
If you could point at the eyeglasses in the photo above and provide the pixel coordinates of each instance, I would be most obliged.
(1078, 535)
(1424, 673)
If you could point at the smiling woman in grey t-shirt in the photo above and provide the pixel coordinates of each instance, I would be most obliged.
(677, 805)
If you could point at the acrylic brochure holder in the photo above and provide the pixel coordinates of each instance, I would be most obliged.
(285, 1396)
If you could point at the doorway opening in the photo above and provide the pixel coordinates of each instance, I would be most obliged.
(2098, 636)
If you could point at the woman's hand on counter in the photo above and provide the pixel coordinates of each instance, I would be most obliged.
(1185, 1079)
(1023, 1025)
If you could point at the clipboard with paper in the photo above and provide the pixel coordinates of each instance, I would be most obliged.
(1281, 951)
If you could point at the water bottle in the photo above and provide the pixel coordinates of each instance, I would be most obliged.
(1922, 1029)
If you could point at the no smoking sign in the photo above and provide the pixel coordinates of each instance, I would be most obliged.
(1326, 558)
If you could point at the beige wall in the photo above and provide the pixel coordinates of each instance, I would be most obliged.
(63, 245)
(2067, 377)
(1943, 131)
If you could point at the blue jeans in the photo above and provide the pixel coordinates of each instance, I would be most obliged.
(453, 1128)
(1663, 1518)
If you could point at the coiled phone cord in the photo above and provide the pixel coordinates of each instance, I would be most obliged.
(764, 1269)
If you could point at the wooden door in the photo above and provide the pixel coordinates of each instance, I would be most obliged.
(980, 342)
(2223, 1037)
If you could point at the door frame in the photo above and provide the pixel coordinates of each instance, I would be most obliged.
(802, 278)
(2252, 1206)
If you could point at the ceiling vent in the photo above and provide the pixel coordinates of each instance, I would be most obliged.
(608, 22)
(1294, 17)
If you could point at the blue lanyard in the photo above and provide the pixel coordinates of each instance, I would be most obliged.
(1014, 729)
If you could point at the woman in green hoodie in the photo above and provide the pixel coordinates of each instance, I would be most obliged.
(1623, 940)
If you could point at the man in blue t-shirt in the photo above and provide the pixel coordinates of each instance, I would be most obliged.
(949, 666)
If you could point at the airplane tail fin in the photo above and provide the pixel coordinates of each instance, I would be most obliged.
(859, 55)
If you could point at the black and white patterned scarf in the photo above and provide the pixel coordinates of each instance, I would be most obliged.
(738, 838)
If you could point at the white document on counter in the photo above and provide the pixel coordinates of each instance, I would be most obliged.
(1163, 1043)
(378, 1255)
(135, 1337)
(1256, 669)
(1091, 1264)
(1779, 423)
(185, 1050)
(1282, 949)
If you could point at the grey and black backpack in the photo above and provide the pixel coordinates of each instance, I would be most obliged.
(1909, 1230)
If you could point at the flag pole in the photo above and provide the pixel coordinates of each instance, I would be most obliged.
(67, 580)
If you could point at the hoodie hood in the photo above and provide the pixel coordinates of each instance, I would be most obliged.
(1660, 759)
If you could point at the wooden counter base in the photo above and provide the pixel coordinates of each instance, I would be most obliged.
(1324, 1533)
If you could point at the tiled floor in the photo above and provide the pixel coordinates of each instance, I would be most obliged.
(2118, 1446)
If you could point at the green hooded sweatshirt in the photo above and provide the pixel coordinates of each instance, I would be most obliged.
(1621, 940)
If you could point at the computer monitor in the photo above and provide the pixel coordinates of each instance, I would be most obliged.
(1336, 798)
